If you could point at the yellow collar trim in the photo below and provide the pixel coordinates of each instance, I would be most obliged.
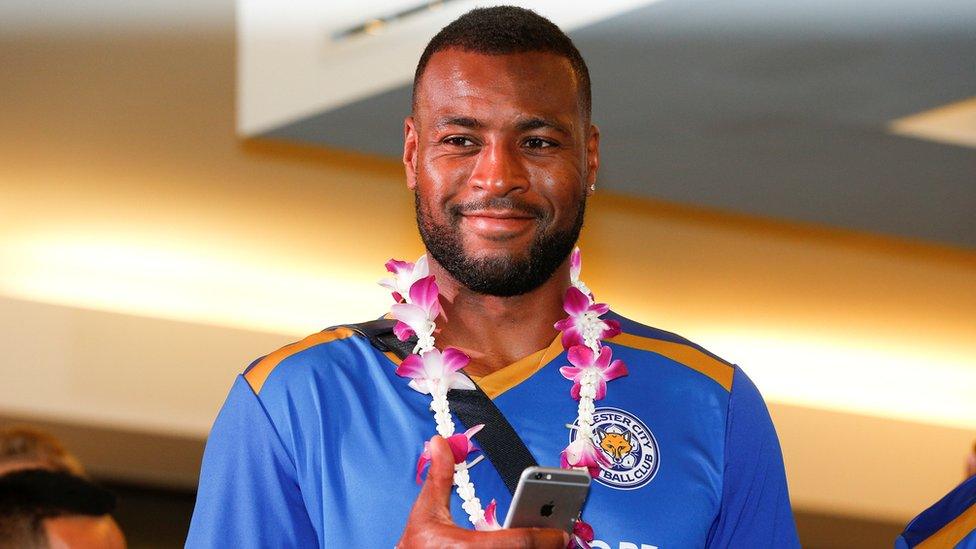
(499, 381)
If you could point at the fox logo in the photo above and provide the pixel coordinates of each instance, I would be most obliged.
(616, 445)
(632, 453)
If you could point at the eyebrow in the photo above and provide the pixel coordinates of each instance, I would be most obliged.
(536, 123)
(524, 125)
(463, 121)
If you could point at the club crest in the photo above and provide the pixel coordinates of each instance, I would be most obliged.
(629, 446)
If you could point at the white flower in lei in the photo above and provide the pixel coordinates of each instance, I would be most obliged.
(417, 314)
(575, 266)
(435, 372)
(404, 275)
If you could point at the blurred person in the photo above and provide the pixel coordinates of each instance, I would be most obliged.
(949, 523)
(45, 500)
(317, 443)
(41, 508)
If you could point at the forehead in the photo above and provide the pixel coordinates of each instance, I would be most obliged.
(457, 82)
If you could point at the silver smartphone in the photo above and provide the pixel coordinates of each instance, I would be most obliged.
(548, 497)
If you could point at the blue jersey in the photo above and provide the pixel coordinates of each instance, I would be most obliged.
(950, 523)
(317, 443)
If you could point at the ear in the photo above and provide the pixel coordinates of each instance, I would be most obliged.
(602, 433)
(592, 157)
(410, 152)
(627, 437)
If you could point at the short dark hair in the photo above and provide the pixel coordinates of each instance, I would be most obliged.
(505, 30)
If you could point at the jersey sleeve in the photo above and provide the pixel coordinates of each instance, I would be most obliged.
(755, 509)
(248, 494)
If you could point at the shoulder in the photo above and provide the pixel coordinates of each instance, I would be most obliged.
(311, 381)
(676, 348)
(296, 358)
(948, 523)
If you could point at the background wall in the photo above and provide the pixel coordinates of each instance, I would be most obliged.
(147, 255)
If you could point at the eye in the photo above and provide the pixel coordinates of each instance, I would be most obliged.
(538, 143)
(458, 141)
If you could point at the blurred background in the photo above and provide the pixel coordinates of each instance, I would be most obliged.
(188, 185)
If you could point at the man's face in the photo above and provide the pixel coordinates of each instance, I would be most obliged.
(501, 160)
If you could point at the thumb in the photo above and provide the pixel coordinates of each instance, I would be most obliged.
(440, 477)
(526, 538)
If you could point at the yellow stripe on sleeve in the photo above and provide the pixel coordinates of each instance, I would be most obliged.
(257, 375)
(952, 533)
(687, 355)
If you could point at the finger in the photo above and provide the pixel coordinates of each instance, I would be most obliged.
(440, 477)
(526, 538)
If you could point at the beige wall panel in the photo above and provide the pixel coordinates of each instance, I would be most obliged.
(120, 371)
(845, 464)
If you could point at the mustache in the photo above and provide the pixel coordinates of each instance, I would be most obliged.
(497, 203)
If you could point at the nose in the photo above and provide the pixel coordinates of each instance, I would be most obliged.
(499, 170)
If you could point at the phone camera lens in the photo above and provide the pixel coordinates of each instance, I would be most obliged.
(538, 476)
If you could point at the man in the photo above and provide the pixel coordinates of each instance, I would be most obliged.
(317, 442)
(45, 501)
(41, 508)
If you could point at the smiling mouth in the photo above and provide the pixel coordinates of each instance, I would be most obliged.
(498, 214)
(495, 224)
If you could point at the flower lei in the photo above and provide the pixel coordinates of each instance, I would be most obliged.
(434, 372)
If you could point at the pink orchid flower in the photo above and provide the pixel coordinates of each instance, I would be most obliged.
(461, 447)
(583, 453)
(404, 275)
(490, 522)
(584, 361)
(582, 535)
(417, 315)
(575, 266)
(435, 370)
(584, 326)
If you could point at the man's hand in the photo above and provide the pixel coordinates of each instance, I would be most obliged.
(430, 524)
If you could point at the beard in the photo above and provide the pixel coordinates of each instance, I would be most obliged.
(502, 276)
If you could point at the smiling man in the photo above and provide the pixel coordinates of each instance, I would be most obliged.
(317, 443)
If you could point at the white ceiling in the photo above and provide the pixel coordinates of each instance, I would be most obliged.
(290, 66)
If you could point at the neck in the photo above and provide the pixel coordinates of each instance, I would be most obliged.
(497, 331)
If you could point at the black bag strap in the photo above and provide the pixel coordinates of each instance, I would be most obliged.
(498, 440)
(500, 443)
